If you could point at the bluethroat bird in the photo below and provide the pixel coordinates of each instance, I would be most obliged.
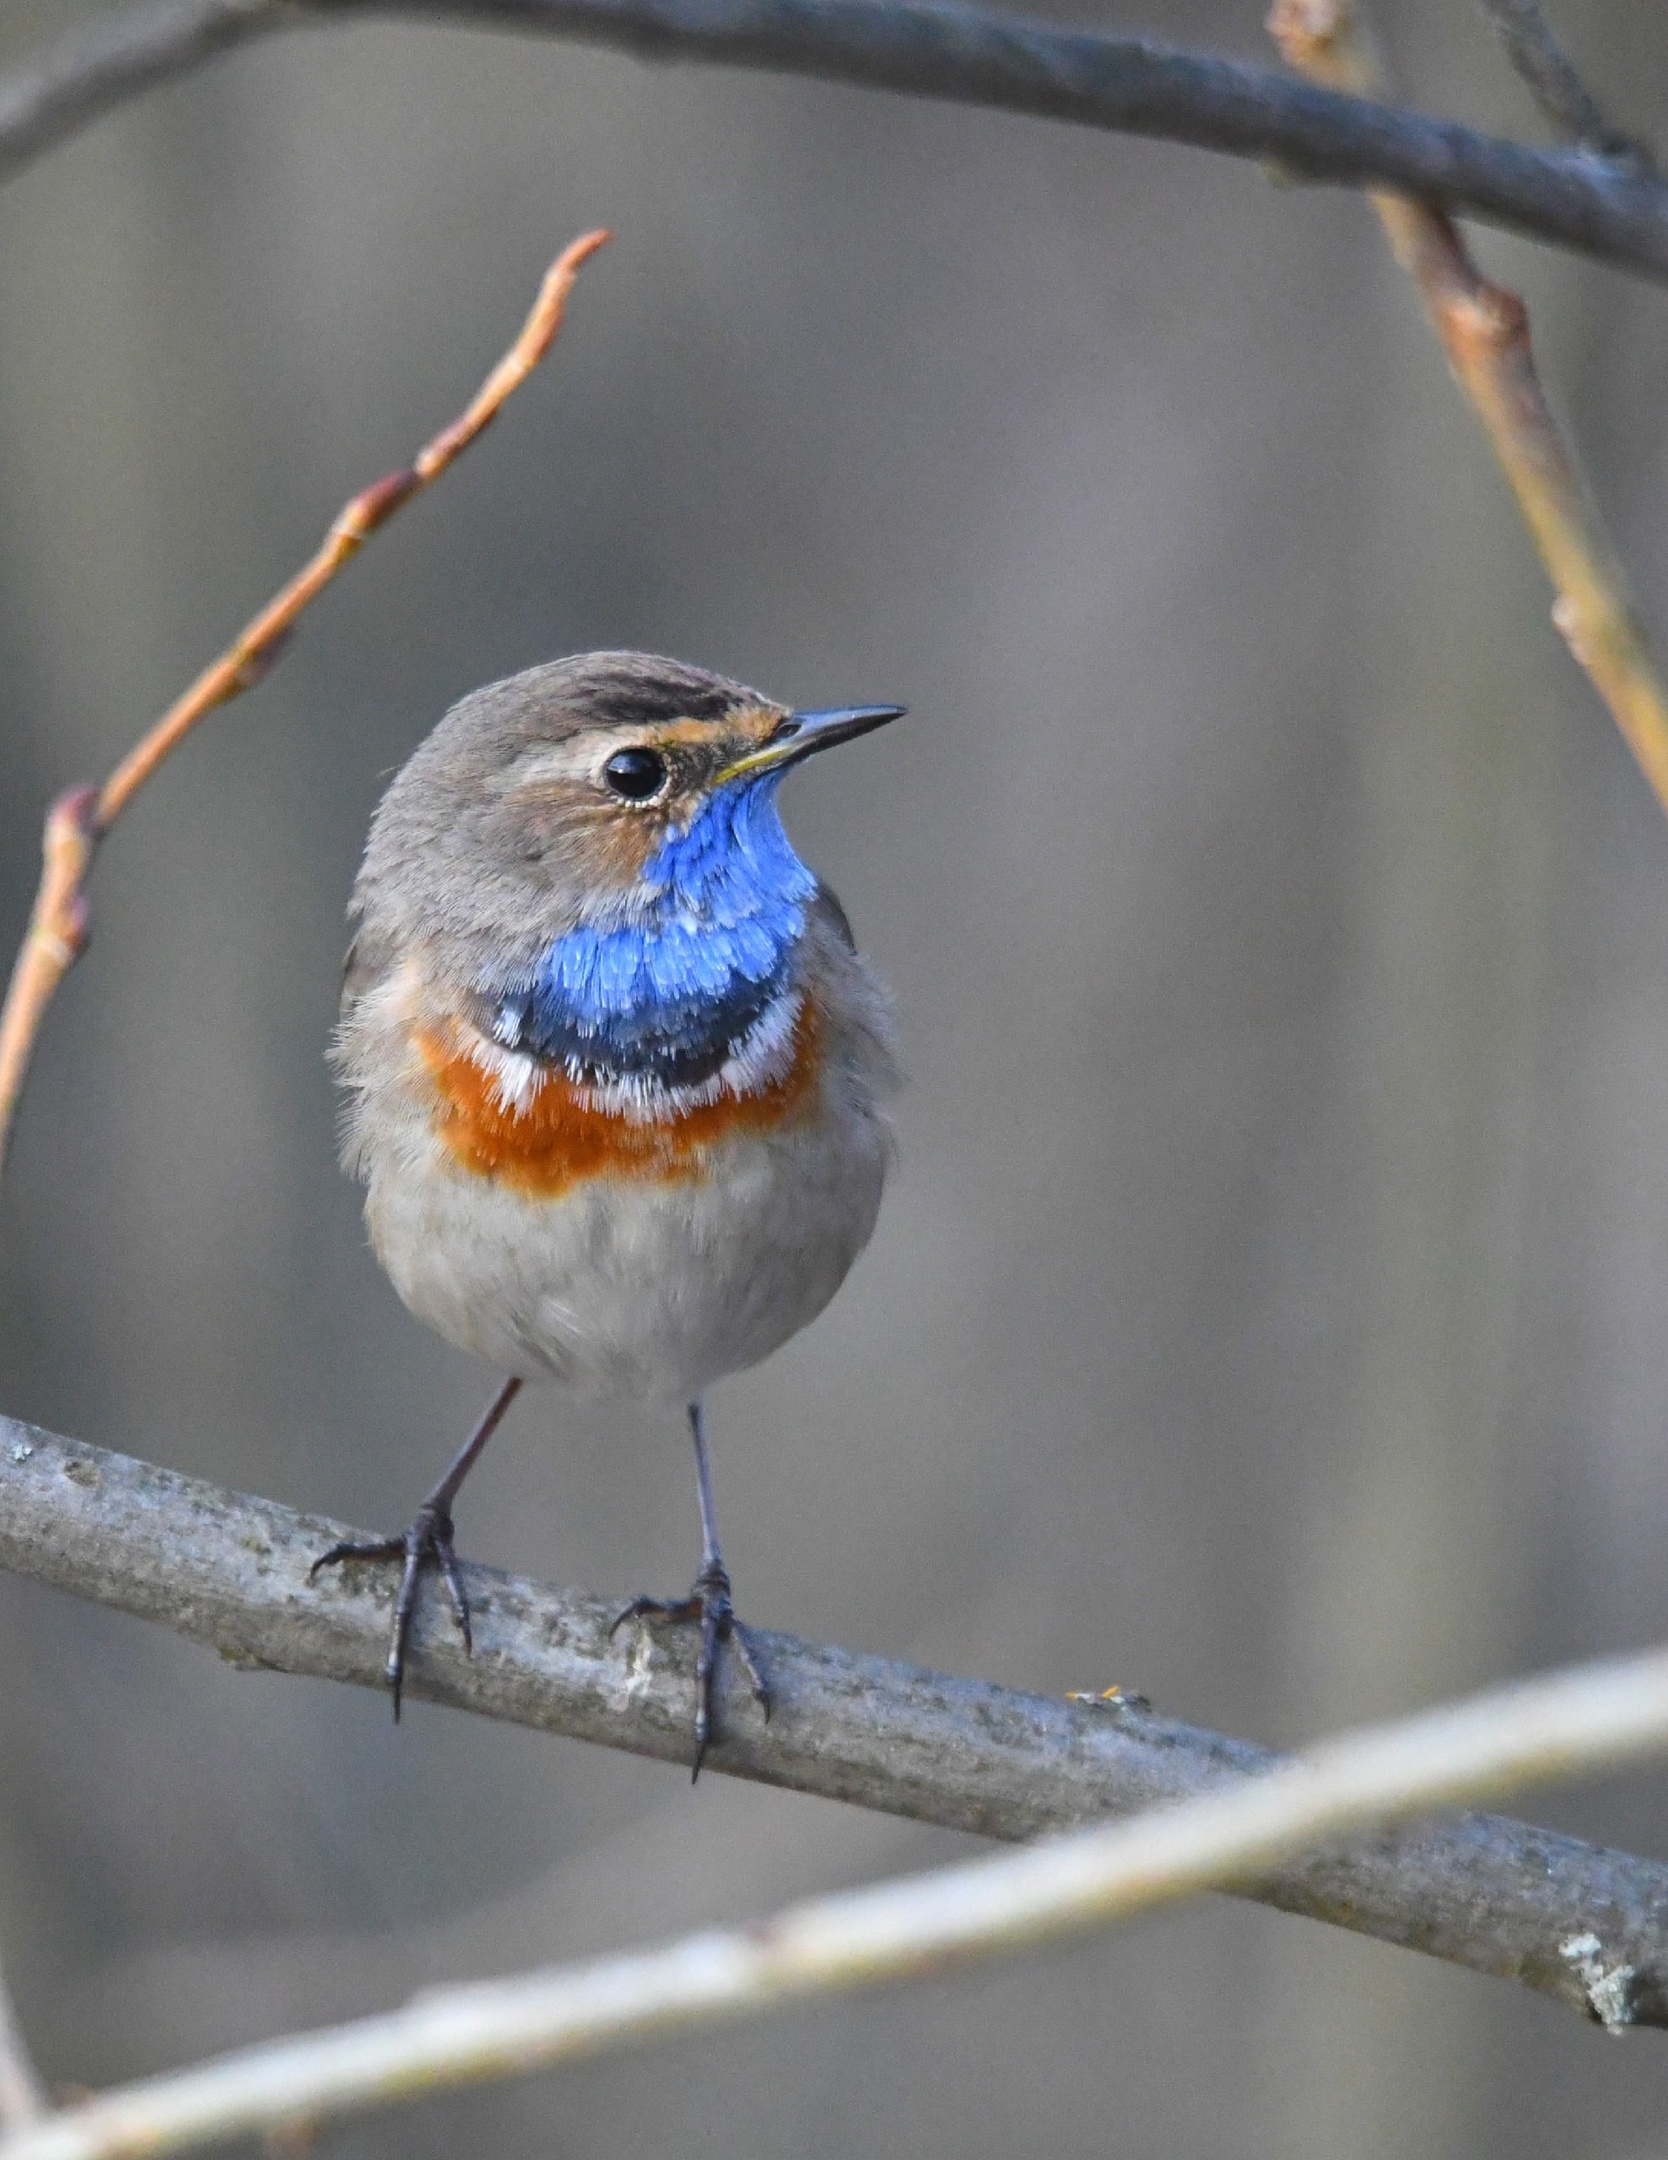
(614, 1069)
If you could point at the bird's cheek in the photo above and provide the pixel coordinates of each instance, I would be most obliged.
(536, 828)
(616, 852)
(594, 846)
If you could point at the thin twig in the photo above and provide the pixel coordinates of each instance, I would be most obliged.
(23, 2097)
(80, 820)
(1485, 332)
(1585, 1718)
(1496, 1896)
(946, 50)
(1552, 79)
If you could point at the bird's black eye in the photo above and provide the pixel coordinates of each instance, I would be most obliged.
(635, 774)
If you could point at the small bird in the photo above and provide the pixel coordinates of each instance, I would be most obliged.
(614, 1069)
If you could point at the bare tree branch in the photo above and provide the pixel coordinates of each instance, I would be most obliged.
(103, 63)
(79, 821)
(1588, 1717)
(231, 1572)
(22, 2095)
(1485, 333)
(946, 51)
(1556, 87)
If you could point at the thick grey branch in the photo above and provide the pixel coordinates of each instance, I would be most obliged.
(93, 68)
(947, 51)
(231, 1572)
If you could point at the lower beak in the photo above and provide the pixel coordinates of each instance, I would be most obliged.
(803, 734)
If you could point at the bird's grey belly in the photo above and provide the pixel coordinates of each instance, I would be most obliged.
(627, 1286)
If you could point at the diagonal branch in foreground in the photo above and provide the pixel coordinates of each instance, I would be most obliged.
(231, 1572)
(1617, 210)
(1584, 1718)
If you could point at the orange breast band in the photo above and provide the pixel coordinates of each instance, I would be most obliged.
(556, 1138)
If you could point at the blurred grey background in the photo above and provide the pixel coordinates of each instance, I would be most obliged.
(1269, 1313)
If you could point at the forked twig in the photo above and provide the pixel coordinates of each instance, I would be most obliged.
(1583, 1718)
(80, 819)
(1485, 332)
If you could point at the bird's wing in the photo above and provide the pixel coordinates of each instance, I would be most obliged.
(826, 907)
(365, 963)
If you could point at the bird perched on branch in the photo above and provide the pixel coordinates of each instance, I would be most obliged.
(614, 1068)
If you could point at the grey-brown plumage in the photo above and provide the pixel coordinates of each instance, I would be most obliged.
(614, 1069)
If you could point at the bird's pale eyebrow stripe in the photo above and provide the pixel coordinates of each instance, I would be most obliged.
(575, 758)
(578, 755)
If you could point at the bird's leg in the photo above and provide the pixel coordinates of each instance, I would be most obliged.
(708, 1602)
(428, 1543)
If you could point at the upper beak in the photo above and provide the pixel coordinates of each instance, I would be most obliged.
(803, 734)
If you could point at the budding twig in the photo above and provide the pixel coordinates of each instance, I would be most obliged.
(1485, 332)
(80, 820)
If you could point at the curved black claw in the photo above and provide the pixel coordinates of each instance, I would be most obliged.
(709, 1603)
(428, 1543)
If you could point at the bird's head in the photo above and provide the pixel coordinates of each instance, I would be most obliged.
(598, 839)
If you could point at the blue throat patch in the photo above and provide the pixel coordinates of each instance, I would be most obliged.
(668, 994)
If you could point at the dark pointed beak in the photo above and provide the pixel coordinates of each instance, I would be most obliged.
(803, 734)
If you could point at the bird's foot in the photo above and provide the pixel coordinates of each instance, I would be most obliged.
(427, 1544)
(708, 1603)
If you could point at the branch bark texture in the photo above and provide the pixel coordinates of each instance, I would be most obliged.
(231, 1572)
(1557, 1724)
(1617, 210)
